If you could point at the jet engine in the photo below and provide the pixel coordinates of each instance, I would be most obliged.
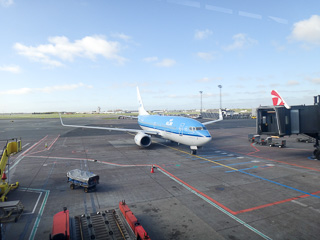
(142, 140)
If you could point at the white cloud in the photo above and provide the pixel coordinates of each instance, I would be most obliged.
(278, 46)
(199, 35)
(307, 31)
(150, 59)
(167, 62)
(49, 89)
(292, 83)
(204, 80)
(61, 49)
(121, 36)
(11, 68)
(207, 80)
(240, 41)
(6, 3)
(205, 55)
(315, 80)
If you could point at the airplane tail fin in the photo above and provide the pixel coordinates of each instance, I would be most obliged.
(142, 111)
(278, 100)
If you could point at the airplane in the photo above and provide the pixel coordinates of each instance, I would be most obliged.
(278, 100)
(178, 129)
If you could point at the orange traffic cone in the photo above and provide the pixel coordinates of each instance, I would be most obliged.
(4, 177)
(152, 170)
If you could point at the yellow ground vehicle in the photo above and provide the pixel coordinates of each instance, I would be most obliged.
(11, 147)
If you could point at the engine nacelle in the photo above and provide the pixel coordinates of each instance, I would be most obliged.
(142, 140)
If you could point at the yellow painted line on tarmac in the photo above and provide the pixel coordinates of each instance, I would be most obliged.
(178, 150)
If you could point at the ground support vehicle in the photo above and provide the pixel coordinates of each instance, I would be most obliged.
(120, 224)
(306, 140)
(253, 138)
(11, 147)
(85, 179)
(281, 144)
(10, 211)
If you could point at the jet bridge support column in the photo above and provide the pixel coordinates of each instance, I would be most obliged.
(316, 152)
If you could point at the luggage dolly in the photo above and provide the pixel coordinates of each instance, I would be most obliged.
(85, 179)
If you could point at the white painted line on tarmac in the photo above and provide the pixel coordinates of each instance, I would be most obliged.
(25, 145)
(35, 206)
(299, 203)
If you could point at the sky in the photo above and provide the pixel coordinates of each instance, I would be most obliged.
(78, 55)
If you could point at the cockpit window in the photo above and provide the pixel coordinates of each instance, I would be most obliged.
(196, 128)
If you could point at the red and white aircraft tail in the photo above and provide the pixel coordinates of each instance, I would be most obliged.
(278, 100)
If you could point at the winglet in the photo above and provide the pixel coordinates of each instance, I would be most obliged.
(142, 111)
(214, 121)
(278, 100)
(61, 120)
(220, 115)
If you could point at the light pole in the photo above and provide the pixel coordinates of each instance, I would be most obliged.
(220, 86)
(201, 103)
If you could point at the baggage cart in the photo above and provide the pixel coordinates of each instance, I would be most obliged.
(81, 178)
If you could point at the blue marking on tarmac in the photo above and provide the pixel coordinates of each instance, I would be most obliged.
(214, 155)
(232, 164)
(280, 184)
(241, 169)
(223, 159)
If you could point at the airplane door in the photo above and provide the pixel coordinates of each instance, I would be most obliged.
(181, 129)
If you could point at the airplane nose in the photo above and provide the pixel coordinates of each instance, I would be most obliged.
(205, 140)
(208, 139)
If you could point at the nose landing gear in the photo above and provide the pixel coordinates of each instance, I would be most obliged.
(193, 150)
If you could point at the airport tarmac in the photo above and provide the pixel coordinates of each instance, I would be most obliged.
(232, 189)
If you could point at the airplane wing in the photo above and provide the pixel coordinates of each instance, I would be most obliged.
(111, 129)
(218, 120)
(127, 117)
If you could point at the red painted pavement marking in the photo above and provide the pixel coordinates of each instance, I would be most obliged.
(275, 203)
(193, 188)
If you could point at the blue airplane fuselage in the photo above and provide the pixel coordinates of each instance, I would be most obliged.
(179, 129)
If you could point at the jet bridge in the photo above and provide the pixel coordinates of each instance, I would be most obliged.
(281, 121)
